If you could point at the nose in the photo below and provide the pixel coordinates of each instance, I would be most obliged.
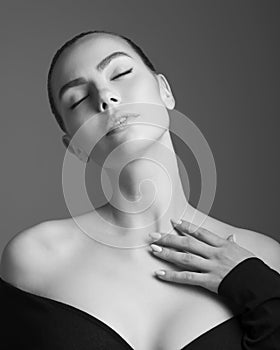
(107, 100)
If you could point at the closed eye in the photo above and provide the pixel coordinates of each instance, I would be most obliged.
(117, 76)
(78, 102)
(123, 73)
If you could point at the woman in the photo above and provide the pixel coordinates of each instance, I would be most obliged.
(63, 289)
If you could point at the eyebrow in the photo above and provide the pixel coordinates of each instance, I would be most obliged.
(100, 67)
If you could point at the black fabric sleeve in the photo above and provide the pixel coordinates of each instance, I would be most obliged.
(255, 288)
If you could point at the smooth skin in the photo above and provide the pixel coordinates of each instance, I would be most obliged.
(205, 257)
(38, 260)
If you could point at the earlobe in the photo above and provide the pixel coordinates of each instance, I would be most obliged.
(66, 140)
(165, 92)
(67, 143)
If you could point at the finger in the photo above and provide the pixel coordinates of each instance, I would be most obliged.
(186, 244)
(231, 238)
(184, 277)
(184, 260)
(200, 233)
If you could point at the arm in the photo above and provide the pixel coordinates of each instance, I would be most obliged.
(25, 259)
(20, 259)
(245, 272)
(254, 285)
(255, 288)
(25, 264)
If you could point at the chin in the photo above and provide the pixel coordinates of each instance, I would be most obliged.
(134, 142)
(132, 149)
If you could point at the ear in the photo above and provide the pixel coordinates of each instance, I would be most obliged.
(78, 152)
(165, 92)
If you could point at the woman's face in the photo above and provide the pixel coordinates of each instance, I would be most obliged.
(101, 92)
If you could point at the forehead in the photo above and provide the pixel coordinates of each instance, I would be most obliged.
(85, 54)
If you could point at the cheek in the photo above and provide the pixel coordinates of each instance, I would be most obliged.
(87, 131)
(73, 124)
(142, 89)
(85, 116)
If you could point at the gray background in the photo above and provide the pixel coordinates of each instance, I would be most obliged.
(222, 61)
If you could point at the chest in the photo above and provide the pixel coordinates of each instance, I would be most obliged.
(146, 312)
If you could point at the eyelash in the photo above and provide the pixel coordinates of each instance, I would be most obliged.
(117, 76)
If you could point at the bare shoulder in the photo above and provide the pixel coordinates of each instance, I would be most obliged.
(263, 246)
(25, 260)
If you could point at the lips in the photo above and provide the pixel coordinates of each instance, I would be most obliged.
(120, 122)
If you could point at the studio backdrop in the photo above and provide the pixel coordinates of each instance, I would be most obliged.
(221, 59)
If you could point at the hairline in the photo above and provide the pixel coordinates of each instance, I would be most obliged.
(87, 36)
(78, 42)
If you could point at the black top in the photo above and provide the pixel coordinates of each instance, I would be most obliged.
(33, 322)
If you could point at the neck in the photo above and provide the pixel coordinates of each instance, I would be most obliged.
(148, 192)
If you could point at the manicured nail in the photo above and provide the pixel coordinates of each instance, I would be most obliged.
(156, 248)
(155, 235)
(160, 272)
(232, 238)
(176, 223)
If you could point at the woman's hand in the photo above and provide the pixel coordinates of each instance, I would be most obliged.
(205, 258)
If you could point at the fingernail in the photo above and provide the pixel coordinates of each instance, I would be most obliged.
(175, 223)
(160, 272)
(155, 235)
(156, 248)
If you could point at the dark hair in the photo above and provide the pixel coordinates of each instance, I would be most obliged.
(70, 42)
